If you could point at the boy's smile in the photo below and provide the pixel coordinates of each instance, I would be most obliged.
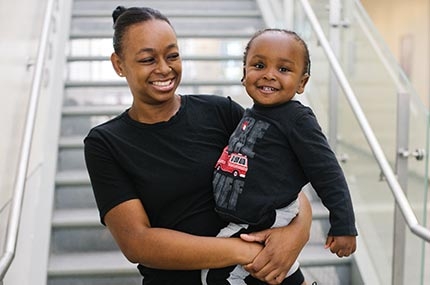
(274, 69)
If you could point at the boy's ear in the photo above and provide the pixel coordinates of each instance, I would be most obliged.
(303, 82)
(117, 64)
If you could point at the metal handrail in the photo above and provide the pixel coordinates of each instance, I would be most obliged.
(20, 180)
(378, 153)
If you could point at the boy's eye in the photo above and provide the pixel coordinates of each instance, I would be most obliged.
(259, 65)
(283, 69)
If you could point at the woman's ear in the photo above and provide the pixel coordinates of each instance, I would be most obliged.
(117, 64)
(243, 77)
(303, 82)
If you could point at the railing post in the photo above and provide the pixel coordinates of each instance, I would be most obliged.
(335, 24)
(399, 234)
(289, 13)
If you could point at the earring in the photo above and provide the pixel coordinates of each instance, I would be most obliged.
(120, 74)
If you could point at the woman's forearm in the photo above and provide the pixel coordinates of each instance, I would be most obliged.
(168, 249)
(302, 223)
(176, 250)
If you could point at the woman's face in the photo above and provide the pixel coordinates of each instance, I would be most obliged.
(150, 61)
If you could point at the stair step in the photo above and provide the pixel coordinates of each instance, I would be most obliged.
(90, 217)
(122, 83)
(72, 178)
(79, 264)
(316, 255)
(107, 110)
(77, 230)
(72, 197)
(184, 27)
(226, 34)
(89, 263)
(176, 14)
(183, 58)
(71, 142)
(166, 6)
(76, 217)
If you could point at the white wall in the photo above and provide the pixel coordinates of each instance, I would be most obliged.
(20, 27)
(20, 30)
(396, 19)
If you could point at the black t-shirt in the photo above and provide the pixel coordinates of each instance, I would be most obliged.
(167, 165)
(271, 155)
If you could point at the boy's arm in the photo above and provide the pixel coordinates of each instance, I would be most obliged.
(282, 246)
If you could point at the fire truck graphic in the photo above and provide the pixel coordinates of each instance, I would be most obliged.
(234, 163)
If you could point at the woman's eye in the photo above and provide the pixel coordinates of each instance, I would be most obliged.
(147, 60)
(173, 56)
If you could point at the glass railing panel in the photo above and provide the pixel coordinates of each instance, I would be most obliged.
(418, 132)
(376, 89)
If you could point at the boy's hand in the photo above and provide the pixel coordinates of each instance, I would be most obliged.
(342, 246)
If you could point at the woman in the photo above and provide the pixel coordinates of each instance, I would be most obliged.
(151, 167)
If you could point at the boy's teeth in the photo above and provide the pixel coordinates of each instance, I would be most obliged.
(268, 88)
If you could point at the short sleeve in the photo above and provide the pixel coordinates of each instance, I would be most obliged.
(110, 184)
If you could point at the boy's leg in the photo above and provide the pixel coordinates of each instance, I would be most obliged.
(232, 275)
(296, 278)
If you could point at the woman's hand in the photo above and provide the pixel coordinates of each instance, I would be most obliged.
(282, 246)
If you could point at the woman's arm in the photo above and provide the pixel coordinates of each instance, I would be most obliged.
(282, 245)
(169, 249)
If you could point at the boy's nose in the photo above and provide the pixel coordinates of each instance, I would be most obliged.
(269, 75)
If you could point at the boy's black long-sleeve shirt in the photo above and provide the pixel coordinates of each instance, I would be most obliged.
(271, 155)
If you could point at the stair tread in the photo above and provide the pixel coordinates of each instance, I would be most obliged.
(76, 217)
(123, 83)
(90, 217)
(315, 254)
(94, 110)
(242, 34)
(115, 262)
(183, 58)
(72, 177)
(176, 13)
(112, 262)
(71, 142)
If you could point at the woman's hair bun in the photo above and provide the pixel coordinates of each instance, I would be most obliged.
(117, 12)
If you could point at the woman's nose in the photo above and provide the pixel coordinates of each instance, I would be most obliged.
(163, 67)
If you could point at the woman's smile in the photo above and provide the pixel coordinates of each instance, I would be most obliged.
(164, 85)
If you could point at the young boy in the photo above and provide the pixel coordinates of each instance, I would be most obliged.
(277, 148)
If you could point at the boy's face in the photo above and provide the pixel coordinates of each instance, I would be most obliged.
(274, 69)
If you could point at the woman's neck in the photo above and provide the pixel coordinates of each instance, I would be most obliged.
(151, 113)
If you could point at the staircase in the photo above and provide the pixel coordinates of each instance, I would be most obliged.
(212, 36)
